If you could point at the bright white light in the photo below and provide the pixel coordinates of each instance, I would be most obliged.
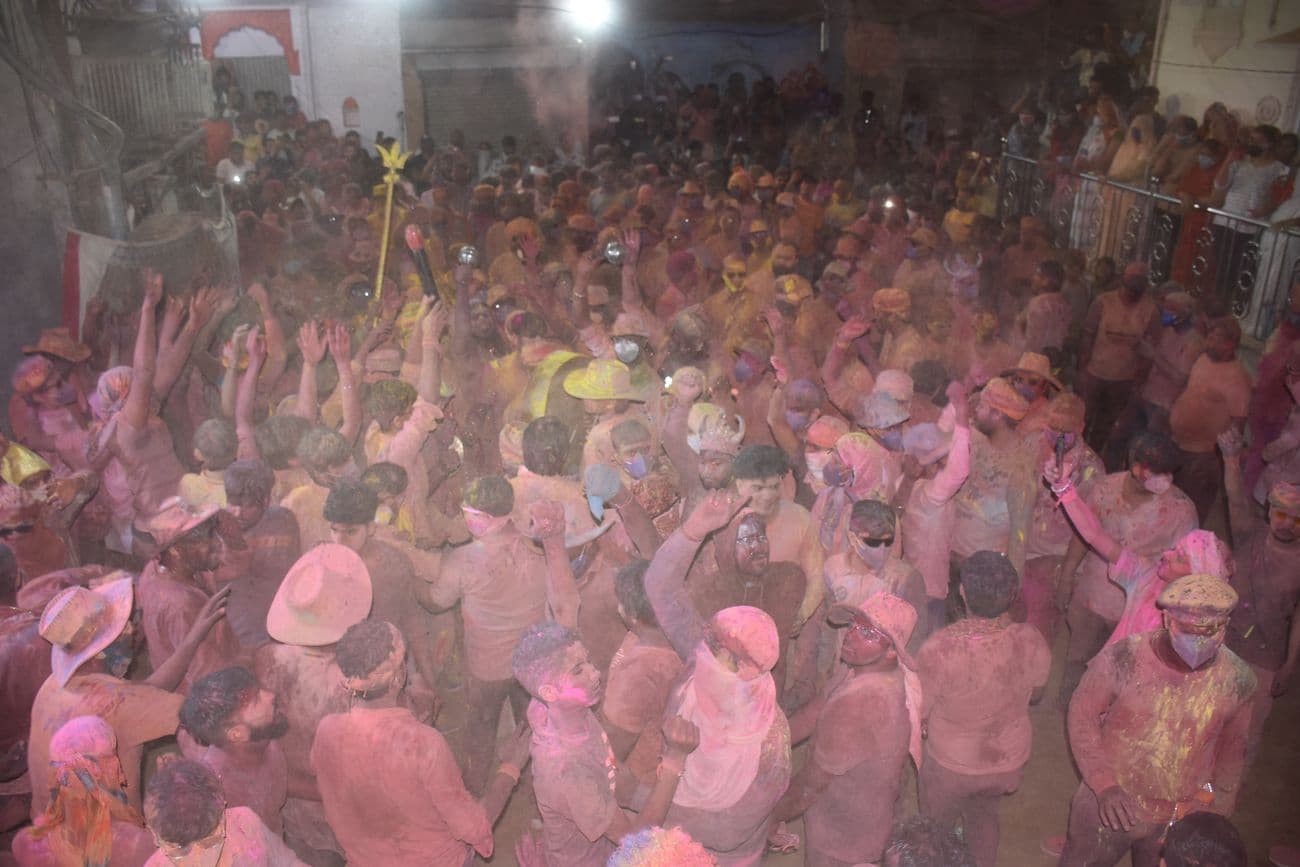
(591, 15)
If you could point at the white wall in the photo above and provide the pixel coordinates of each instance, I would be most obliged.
(1189, 80)
(355, 49)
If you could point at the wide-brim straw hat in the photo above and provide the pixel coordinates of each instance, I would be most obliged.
(79, 622)
(327, 591)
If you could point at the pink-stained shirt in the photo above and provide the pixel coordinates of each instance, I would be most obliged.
(531, 488)
(977, 677)
(254, 573)
(861, 741)
(307, 502)
(1141, 721)
(24, 666)
(501, 586)
(1137, 577)
(1050, 530)
(308, 686)
(573, 780)
(641, 676)
(981, 510)
(248, 842)
(393, 793)
(1148, 529)
(168, 608)
(927, 521)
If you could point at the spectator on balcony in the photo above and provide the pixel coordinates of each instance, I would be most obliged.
(1195, 190)
(232, 169)
(1241, 188)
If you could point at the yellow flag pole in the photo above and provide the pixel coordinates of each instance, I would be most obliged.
(394, 161)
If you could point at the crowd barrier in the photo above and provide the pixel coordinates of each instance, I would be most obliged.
(1245, 262)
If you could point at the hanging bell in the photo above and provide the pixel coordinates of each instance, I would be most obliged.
(468, 255)
(614, 252)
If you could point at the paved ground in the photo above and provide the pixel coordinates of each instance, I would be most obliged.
(1267, 814)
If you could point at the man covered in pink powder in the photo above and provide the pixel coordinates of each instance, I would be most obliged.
(978, 677)
(1158, 728)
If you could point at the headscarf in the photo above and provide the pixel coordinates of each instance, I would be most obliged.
(78, 823)
(1133, 157)
(111, 391)
(733, 714)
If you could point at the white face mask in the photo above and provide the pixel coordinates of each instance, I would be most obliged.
(1158, 484)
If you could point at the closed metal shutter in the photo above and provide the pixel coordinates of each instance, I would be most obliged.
(487, 103)
(258, 73)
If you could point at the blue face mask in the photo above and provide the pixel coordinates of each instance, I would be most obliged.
(1168, 319)
(913, 253)
(797, 420)
(837, 475)
(637, 467)
(1205, 161)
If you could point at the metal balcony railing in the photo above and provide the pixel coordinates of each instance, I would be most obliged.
(1244, 262)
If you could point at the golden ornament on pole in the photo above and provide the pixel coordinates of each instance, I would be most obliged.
(394, 161)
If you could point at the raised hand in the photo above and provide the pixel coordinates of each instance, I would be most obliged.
(956, 392)
(311, 342)
(204, 304)
(531, 248)
(687, 386)
(1231, 443)
(632, 245)
(680, 735)
(713, 513)
(340, 343)
(234, 348)
(153, 288)
(255, 346)
(853, 328)
(436, 322)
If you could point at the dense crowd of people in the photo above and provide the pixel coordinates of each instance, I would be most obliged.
(751, 428)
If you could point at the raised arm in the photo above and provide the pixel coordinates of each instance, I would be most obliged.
(665, 579)
(277, 352)
(231, 354)
(547, 525)
(431, 327)
(135, 411)
(948, 481)
(168, 675)
(245, 431)
(203, 309)
(312, 344)
(684, 390)
(632, 295)
(340, 344)
(1081, 514)
(1241, 512)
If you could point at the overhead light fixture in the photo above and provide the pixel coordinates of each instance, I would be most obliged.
(591, 15)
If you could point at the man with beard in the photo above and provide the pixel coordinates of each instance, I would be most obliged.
(175, 588)
(238, 726)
